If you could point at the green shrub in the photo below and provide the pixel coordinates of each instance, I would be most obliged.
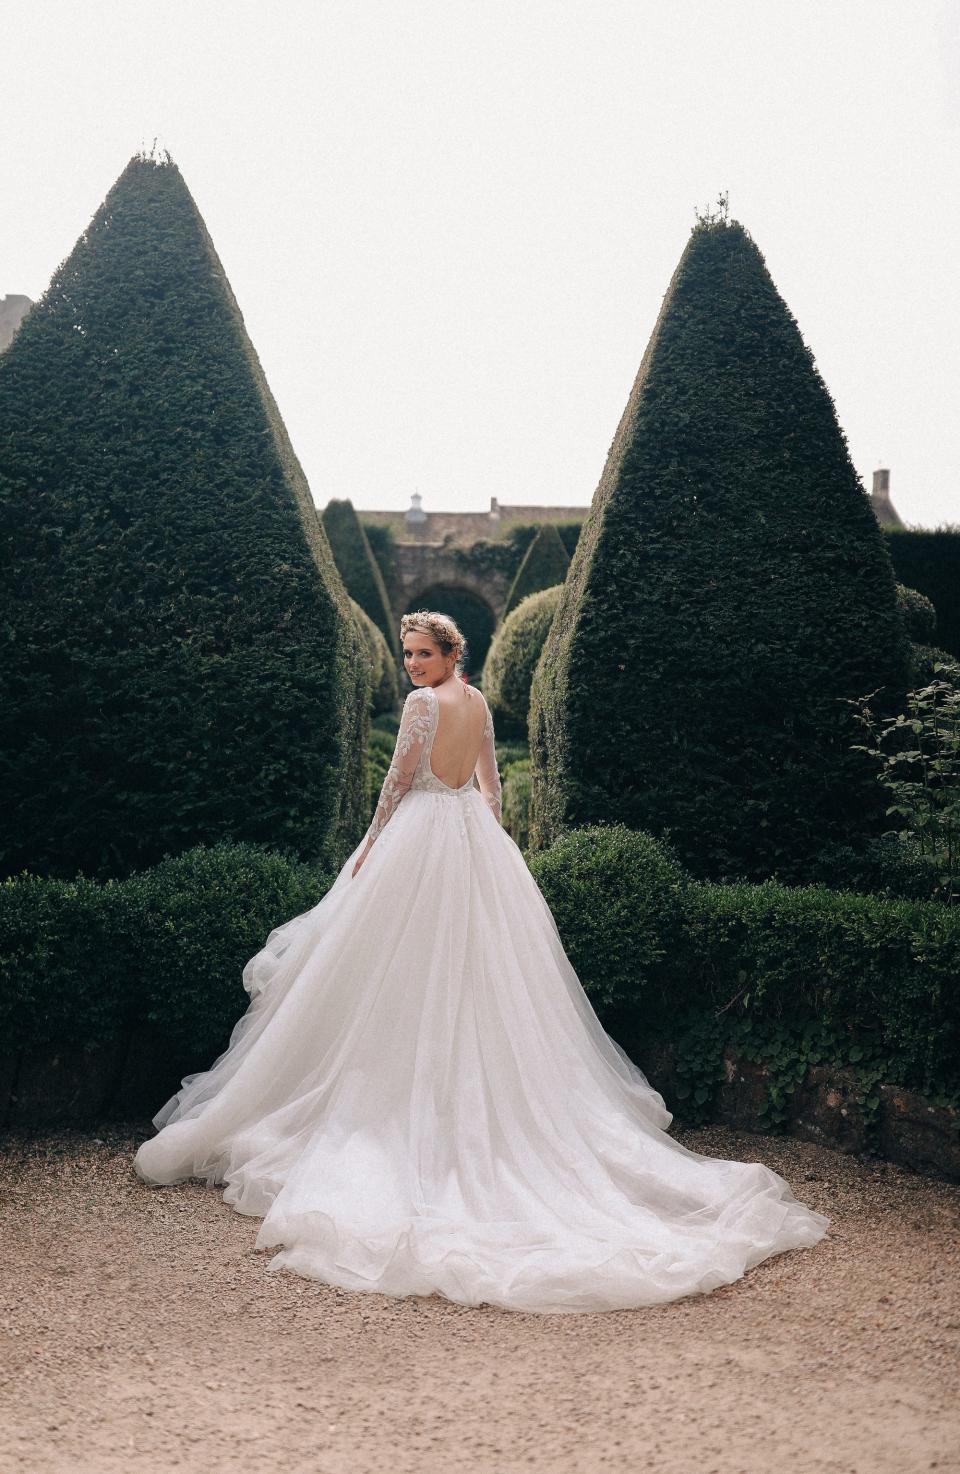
(162, 950)
(516, 802)
(929, 560)
(544, 565)
(359, 569)
(919, 613)
(928, 663)
(177, 659)
(510, 751)
(384, 682)
(893, 865)
(617, 897)
(730, 586)
(881, 975)
(513, 657)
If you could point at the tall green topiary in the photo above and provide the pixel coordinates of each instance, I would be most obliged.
(512, 659)
(178, 661)
(359, 569)
(544, 565)
(730, 588)
(384, 680)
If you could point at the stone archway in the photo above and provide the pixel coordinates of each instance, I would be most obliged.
(472, 612)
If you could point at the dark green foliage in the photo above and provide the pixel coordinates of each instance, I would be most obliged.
(929, 663)
(516, 802)
(163, 949)
(617, 897)
(512, 659)
(930, 561)
(883, 972)
(919, 613)
(383, 547)
(544, 566)
(495, 555)
(177, 659)
(729, 588)
(569, 535)
(805, 972)
(894, 865)
(359, 568)
(384, 680)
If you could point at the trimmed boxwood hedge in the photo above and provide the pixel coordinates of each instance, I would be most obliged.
(544, 565)
(359, 569)
(384, 680)
(178, 661)
(163, 950)
(929, 560)
(845, 977)
(731, 587)
(919, 613)
(512, 659)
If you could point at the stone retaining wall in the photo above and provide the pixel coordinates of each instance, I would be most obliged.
(133, 1079)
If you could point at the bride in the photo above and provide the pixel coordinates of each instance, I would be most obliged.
(420, 1098)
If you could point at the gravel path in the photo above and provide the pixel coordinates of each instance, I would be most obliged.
(140, 1331)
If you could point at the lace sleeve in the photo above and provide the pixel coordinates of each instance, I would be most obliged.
(488, 775)
(414, 730)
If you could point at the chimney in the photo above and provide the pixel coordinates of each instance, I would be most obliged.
(884, 510)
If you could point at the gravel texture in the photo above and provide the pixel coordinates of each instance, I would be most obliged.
(141, 1332)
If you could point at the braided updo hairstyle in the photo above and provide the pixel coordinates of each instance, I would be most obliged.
(441, 628)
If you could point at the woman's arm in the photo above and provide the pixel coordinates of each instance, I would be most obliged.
(488, 774)
(414, 730)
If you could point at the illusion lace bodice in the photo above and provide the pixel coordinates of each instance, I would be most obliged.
(410, 765)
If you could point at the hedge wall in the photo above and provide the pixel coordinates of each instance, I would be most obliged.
(730, 588)
(544, 565)
(803, 974)
(359, 569)
(384, 679)
(930, 561)
(177, 657)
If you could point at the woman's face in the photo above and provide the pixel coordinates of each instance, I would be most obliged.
(423, 660)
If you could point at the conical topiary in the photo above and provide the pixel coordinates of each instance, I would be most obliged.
(178, 662)
(359, 568)
(384, 679)
(544, 565)
(730, 589)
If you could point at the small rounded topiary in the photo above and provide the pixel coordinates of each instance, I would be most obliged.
(617, 896)
(516, 802)
(512, 659)
(919, 613)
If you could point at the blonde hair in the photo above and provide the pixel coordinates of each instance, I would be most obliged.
(439, 627)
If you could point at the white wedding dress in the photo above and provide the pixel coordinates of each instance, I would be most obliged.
(420, 1098)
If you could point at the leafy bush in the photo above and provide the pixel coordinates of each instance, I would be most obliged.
(893, 865)
(359, 569)
(730, 586)
(918, 757)
(162, 950)
(384, 682)
(516, 802)
(617, 897)
(919, 613)
(177, 659)
(544, 565)
(512, 659)
(929, 560)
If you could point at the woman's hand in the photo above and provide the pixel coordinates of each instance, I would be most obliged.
(360, 859)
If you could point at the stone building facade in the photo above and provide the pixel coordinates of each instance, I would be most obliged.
(464, 528)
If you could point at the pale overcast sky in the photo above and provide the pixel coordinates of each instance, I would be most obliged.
(450, 223)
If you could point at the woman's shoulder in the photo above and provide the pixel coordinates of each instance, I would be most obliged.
(420, 696)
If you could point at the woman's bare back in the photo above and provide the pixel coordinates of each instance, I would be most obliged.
(461, 720)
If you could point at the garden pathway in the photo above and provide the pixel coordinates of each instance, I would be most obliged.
(138, 1330)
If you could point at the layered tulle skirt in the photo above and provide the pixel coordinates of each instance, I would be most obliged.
(420, 1099)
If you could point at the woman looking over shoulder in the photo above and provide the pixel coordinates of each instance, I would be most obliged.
(420, 1098)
